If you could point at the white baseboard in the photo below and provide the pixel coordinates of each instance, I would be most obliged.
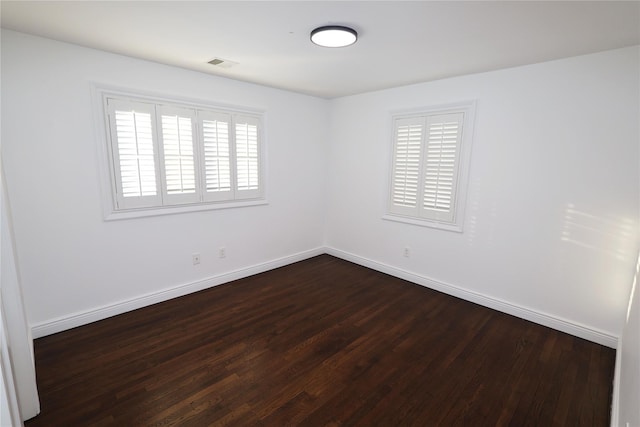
(82, 318)
(544, 319)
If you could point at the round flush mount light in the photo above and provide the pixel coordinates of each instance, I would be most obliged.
(334, 36)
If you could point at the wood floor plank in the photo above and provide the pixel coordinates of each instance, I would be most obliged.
(322, 342)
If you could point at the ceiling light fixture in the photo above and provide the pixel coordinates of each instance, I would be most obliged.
(334, 36)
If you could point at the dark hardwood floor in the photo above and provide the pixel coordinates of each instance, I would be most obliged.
(322, 342)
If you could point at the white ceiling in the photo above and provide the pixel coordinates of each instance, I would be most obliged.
(399, 42)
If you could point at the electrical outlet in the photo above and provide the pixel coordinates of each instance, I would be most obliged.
(222, 252)
(195, 258)
(406, 252)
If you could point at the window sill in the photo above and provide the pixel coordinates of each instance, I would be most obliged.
(113, 215)
(424, 223)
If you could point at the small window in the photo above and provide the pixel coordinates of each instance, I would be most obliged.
(430, 161)
(166, 157)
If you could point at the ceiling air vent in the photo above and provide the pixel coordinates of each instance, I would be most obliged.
(222, 63)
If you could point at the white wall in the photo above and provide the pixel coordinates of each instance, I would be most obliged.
(72, 262)
(552, 210)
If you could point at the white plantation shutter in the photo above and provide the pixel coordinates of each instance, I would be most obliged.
(177, 145)
(170, 155)
(406, 165)
(247, 154)
(426, 165)
(134, 152)
(214, 128)
(441, 163)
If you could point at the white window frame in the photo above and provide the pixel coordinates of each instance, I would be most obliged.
(452, 220)
(114, 206)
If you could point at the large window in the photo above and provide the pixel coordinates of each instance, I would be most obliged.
(430, 161)
(171, 156)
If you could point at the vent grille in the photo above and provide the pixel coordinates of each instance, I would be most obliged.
(222, 63)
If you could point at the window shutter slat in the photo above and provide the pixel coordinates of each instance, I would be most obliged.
(247, 157)
(441, 162)
(217, 155)
(408, 135)
(178, 155)
(177, 135)
(134, 151)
